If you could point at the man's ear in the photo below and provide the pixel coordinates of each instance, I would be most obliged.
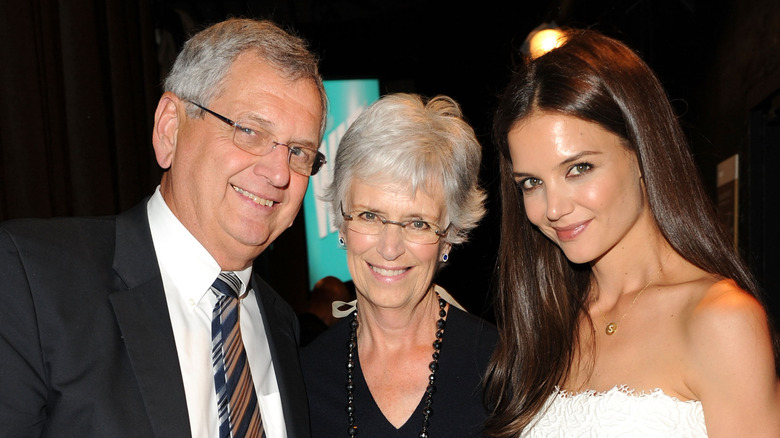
(166, 128)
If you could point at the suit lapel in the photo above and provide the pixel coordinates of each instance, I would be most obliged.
(282, 331)
(142, 313)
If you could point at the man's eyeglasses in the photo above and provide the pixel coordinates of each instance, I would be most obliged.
(258, 141)
(414, 230)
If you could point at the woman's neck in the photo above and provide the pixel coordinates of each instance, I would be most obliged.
(390, 330)
(628, 269)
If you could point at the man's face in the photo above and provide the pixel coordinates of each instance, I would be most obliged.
(233, 202)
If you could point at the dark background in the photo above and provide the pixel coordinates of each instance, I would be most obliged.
(81, 79)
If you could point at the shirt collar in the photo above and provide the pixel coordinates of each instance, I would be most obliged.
(181, 257)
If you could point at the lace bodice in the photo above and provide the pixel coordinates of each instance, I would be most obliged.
(618, 412)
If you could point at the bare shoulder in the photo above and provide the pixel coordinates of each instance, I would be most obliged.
(730, 365)
(722, 311)
(721, 321)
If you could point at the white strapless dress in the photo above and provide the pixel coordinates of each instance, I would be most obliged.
(619, 412)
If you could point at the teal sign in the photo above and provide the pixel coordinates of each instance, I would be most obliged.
(347, 99)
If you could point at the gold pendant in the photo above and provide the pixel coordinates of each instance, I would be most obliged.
(611, 328)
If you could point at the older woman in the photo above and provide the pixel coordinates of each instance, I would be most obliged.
(405, 362)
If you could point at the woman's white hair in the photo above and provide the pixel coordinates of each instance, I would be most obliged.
(425, 144)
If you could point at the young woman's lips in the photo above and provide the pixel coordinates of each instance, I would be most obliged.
(570, 232)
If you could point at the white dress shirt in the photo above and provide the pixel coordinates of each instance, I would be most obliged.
(188, 270)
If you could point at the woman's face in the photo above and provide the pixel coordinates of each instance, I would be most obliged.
(389, 271)
(581, 186)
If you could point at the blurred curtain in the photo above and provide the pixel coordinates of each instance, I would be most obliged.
(80, 82)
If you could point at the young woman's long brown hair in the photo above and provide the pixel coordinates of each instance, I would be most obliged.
(541, 294)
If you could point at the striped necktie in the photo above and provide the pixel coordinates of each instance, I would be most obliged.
(239, 414)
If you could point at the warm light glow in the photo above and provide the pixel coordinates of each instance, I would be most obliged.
(544, 41)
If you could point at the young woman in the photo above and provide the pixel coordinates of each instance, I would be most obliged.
(623, 308)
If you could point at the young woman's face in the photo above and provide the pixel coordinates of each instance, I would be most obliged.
(581, 186)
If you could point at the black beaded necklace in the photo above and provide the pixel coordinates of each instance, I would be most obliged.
(434, 366)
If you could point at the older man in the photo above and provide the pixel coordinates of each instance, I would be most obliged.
(151, 323)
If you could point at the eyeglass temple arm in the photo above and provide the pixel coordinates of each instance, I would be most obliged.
(219, 116)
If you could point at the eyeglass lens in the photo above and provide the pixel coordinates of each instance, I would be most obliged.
(417, 231)
(258, 141)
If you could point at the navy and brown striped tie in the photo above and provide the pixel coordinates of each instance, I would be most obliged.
(239, 413)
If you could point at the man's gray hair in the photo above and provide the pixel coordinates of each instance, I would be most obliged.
(199, 70)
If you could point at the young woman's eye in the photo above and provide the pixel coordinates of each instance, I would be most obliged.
(529, 184)
(579, 169)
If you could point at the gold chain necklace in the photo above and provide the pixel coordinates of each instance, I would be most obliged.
(612, 327)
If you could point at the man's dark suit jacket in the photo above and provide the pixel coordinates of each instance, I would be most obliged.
(86, 344)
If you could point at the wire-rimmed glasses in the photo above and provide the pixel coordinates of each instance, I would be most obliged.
(414, 230)
(258, 141)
